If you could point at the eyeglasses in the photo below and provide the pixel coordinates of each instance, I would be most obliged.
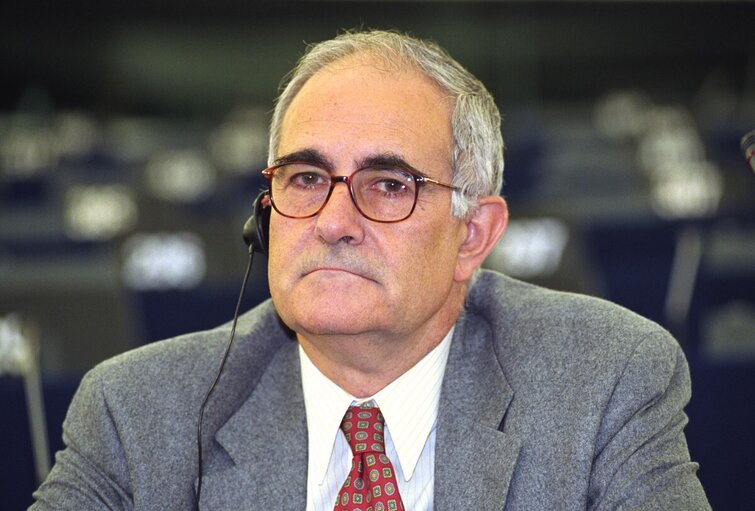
(382, 194)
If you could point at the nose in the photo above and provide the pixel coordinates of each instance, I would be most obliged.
(339, 221)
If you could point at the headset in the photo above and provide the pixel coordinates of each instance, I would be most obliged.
(255, 234)
(257, 227)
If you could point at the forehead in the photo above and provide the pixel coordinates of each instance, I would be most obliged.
(360, 105)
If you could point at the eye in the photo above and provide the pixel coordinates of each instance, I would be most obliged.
(307, 179)
(390, 186)
(389, 183)
(303, 177)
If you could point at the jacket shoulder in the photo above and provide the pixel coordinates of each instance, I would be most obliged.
(132, 426)
(193, 354)
(553, 332)
(544, 313)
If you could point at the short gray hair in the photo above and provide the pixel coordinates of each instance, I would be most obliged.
(477, 159)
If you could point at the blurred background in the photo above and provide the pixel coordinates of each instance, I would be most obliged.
(132, 136)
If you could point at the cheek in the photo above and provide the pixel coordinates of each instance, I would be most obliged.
(283, 248)
(428, 258)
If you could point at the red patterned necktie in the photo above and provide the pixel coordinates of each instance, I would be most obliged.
(371, 484)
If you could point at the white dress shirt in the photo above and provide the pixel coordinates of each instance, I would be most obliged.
(409, 405)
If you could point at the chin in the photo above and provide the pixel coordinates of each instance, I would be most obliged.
(324, 326)
(331, 316)
(333, 303)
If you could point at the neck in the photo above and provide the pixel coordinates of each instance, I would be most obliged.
(364, 364)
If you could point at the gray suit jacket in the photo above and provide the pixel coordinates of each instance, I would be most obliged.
(549, 401)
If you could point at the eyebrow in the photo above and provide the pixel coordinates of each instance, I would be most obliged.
(315, 157)
(312, 156)
(387, 159)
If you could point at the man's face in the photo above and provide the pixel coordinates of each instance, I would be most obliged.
(338, 272)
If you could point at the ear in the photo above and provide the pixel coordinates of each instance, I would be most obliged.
(484, 228)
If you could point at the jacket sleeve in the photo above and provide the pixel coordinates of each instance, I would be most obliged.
(641, 456)
(91, 472)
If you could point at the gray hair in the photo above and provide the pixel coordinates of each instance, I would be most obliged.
(477, 159)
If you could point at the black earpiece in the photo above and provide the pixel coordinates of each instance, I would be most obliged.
(257, 226)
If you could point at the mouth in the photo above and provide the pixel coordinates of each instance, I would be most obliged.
(334, 270)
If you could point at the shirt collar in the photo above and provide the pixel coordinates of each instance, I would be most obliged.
(409, 405)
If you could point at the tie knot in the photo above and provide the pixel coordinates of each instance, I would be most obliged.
(363, 428)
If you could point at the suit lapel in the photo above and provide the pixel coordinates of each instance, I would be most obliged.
(260, 452)
(474, 461)
(266, 440)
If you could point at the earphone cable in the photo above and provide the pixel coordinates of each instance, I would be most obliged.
(217, 378)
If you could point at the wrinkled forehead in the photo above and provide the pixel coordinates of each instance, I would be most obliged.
(368, 98)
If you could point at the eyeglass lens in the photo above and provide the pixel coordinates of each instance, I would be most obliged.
(383, 194)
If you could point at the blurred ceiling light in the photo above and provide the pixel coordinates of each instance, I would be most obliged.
(240, 143)
(134, 139)
(531, 248)
(670, 117)
(687, 190)
(664, 149)
(622, 115)
(161, 261)
(671, 139)
(15, 351)
(75, 134)
(98, 212)
(181, 176)
(26, 151)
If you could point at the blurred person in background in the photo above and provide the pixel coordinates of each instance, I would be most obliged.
(388, 371)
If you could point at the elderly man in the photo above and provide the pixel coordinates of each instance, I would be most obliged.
(388, 372)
